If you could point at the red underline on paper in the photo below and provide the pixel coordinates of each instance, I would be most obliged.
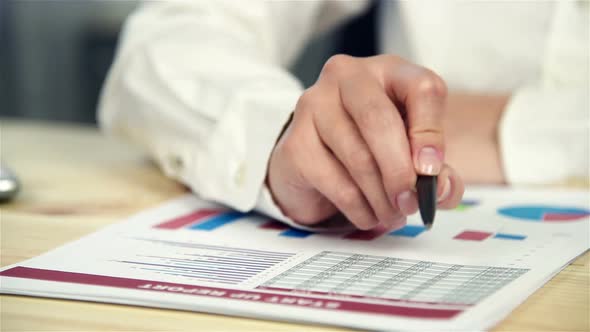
(235, 294)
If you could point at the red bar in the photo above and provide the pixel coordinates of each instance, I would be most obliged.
(273, 224)
(564, 216)
(472, 236)
(366, 235)
(188, 219)
(234, 294)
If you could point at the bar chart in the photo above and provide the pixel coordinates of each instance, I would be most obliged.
(467, 204)
(203, 219)
(209, 220)
(219, 264)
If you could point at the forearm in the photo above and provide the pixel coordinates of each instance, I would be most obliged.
(471, 133)
(204, 96)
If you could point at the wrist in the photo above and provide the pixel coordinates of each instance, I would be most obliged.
(471, 133)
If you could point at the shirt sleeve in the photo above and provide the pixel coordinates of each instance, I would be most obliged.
(545, 130)
(203, 87)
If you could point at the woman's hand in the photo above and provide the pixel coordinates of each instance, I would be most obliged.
(358, 138)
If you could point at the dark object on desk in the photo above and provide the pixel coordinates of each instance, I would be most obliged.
(426, 188)
(9, 184)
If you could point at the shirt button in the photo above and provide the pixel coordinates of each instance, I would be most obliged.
(240, 175)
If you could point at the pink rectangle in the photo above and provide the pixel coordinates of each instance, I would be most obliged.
(472, 236)
(233, 294)
(366, 235)
(188, 219)
(273, 224)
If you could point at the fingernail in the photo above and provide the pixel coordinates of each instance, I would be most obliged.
(446, 191)
(406, 203)
(429, 161)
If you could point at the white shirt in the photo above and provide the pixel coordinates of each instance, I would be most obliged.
(203, 85)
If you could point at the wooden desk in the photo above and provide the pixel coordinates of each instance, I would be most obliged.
(76, 181)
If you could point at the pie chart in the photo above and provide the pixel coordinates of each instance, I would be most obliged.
(544, 213)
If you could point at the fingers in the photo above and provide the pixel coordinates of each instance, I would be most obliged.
(338, 131)
(382, 128)
(408, 202)
(359, 138)
(450, 188)
(295, 197)
(423, 94)
(332, 180)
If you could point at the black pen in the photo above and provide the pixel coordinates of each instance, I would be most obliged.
(426, 188)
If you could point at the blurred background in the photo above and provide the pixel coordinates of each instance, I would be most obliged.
(54, 55)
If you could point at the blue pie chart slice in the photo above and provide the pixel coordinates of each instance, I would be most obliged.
(544, 213)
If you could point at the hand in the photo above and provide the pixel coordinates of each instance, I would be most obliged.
(358, 138)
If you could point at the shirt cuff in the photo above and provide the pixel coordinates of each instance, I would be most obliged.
(267, 206)
(231, 167)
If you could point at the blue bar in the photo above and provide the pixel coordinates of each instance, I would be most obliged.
(295, 233)
(469, 202)
(408, 231)
(218, 221)
(509, 236)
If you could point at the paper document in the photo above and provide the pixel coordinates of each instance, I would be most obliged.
(477, 263)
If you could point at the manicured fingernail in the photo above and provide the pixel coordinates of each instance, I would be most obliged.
(429, 161)
(406, 203)
(446, 191)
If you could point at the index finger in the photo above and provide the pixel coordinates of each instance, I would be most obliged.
(422, 95)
